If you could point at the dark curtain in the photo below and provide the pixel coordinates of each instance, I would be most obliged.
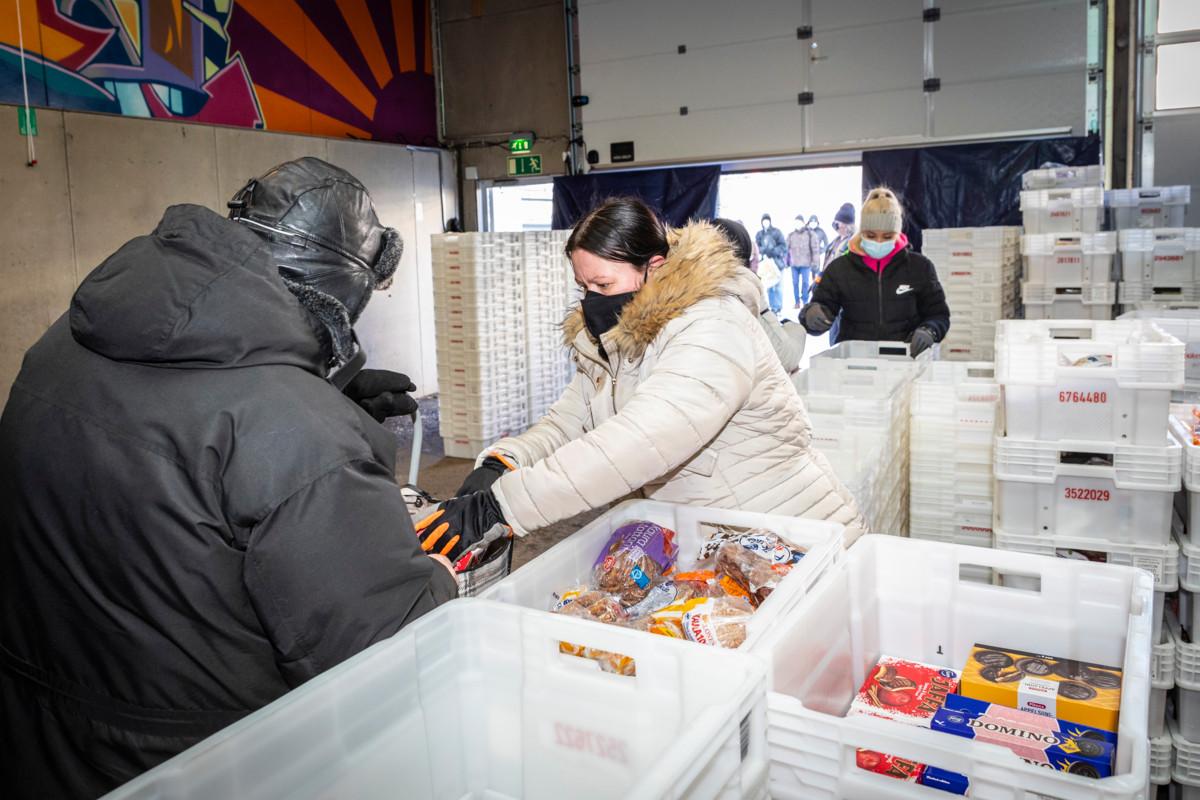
(968, 185)
(678, 195)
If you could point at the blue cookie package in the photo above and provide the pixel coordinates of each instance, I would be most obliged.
(1043, 741)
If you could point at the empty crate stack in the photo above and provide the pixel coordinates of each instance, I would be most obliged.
(953, 427)
(547, 278)
(1085, 467)
(481, 355)
(491, 371)
(979, 269)
(1068, 259)
(857, 395)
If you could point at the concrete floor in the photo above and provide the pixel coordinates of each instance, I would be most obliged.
(441, 476)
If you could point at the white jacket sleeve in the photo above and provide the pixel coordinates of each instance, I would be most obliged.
(703, 376)
(567, 419)
(787, 344)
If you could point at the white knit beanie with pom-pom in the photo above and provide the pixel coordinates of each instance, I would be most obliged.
(881, 211)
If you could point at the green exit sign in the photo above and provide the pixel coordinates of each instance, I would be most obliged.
(519, 146)
(27, 127)
(524, 165)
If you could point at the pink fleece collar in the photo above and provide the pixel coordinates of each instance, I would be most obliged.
(879, 264)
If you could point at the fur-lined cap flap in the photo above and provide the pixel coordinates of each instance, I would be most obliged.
(700, 265)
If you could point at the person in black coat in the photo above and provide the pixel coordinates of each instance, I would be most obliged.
(196, 518)
(883, 290)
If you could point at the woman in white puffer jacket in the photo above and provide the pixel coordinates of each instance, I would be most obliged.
(679, 396)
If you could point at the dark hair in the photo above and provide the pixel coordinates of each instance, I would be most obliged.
(738, 237)
(621, 229)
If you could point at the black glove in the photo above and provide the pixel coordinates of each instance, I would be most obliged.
(459, 524)
(483, 476)
(382, 393)
(921, 340)
(815, 319)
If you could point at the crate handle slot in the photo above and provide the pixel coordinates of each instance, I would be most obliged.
(1068, 291)
(1149, 194)
(1034, 579)
(1070, 333)
(893, 351)
(1085, 459)
(981, 372)
(1167, 290)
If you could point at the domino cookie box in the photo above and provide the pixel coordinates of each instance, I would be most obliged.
(1044, 741)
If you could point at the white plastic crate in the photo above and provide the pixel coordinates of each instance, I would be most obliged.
(969, 296)
(1069, 259)
(1160, 561)
(1161, 753)
(1041, 489)
(1143, 295)
(963, 351)
(910, 599)
(972, 242)
(1062, 210)
(462, 447)
(475, 700)
(570, 562)
(1182, 322)
(1063, 177)
(962, 392)
(955, 527)
(1122, 396)
(1092, 302)
(1160, 256)
(1185, 767)
(1162, 665)
(1188, 500)
(1149, 206)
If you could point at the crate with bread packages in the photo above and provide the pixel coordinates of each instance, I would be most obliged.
(903, 675)
(711, 576)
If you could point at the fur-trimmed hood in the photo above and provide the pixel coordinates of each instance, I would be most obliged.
(700, 265)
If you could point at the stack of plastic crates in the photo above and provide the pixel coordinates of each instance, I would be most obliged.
(1068, 267)
(547, 297)
(954, 411)
(857, 397)
(1085, 467)
(979, 269)
(481, 349)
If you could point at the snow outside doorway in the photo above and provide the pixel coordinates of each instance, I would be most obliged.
(786, 194)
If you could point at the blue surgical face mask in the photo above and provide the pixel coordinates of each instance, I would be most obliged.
(878, 249)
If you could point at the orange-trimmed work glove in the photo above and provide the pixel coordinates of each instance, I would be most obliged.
(459, 524)
(487, 473)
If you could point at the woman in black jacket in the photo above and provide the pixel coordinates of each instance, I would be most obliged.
(882, 288)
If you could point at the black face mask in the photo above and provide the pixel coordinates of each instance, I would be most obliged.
(601, 311)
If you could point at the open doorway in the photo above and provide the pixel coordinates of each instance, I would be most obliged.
(790, 197)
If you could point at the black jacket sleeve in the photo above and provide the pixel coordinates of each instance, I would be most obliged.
(931, 304)
(337, 567)
(827, 292)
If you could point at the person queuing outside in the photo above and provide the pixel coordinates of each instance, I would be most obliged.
(773, 246)
(805, 250)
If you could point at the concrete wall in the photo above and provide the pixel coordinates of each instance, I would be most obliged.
(504, 70)
(101, 180)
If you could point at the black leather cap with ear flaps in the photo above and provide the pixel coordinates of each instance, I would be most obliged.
(323, 231)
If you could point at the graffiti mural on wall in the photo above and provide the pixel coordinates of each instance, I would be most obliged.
(359, 68)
